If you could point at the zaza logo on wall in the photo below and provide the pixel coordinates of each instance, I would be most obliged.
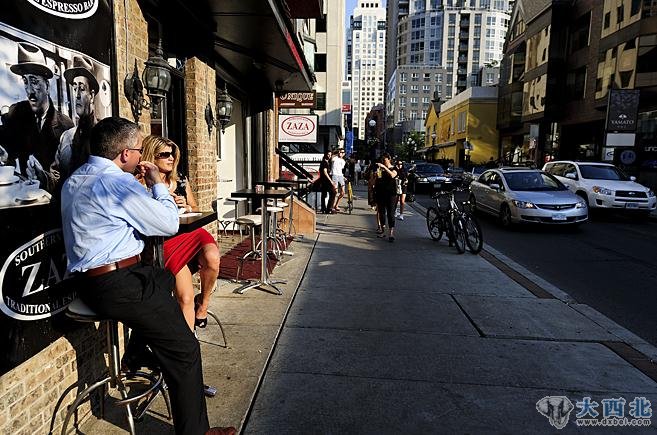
(297, 128)
(73, 9)
(32, 268)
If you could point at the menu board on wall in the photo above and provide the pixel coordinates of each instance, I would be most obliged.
(56, 80)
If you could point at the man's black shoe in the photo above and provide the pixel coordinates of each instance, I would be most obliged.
(132, 362)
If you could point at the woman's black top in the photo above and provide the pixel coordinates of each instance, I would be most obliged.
(181, 187)
(385, 184)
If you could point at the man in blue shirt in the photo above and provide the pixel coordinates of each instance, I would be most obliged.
(106, 213)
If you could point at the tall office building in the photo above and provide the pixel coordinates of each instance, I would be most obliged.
(450, 40)
(366, 61)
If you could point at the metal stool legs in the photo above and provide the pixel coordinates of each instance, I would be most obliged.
(221, 328)
(253, 252)
(116, 379)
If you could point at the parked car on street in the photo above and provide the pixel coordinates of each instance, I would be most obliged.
(456, 174)
(424, 175)
(524, 195)
(603, 185)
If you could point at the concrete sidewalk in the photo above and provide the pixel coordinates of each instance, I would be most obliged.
(409, 337)
(406, 337)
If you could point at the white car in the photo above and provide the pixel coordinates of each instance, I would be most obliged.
(603, 185)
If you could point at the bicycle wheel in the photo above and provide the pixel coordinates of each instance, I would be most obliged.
(474, 238)
(458, 231)
(433, 223)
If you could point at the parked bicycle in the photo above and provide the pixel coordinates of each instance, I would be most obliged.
(459, 224)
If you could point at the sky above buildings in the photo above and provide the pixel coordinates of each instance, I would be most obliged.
(350, 5)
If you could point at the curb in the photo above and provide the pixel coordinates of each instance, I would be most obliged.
(644, 353)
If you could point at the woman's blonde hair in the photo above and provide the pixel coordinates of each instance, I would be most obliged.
(155, 144)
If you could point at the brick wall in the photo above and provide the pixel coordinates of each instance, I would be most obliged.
(30, 392)
(137, 49)
(201, 146)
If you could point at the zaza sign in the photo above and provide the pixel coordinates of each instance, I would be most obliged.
(28, 277)
(297, 128)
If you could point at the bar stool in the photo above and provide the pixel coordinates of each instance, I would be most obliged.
(290, 219)
(79, 311)
(225, 222)
(251, 221)
(273, 232)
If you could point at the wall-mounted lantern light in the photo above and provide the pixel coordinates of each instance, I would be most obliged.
(156, 78)
(224, 111)
(224, 107)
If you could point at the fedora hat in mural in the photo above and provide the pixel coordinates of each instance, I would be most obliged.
(31, 61)
(82, 67)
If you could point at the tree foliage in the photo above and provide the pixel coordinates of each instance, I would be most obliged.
(413, 141)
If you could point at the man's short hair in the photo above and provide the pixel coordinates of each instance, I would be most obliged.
(112, 135)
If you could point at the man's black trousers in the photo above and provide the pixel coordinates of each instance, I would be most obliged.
(140, 297)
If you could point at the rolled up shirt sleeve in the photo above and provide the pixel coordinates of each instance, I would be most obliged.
(150, 215)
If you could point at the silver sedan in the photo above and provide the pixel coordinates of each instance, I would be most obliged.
(523, 195)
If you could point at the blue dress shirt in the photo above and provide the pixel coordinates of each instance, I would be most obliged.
(106, 211)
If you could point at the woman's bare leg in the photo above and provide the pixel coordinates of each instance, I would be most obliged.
(208, 260)
(185, 295)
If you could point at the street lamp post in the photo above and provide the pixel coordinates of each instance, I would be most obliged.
(372, 125)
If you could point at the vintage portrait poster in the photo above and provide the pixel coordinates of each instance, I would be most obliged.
(56, 82)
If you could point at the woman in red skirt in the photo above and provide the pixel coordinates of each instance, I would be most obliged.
(185, 253)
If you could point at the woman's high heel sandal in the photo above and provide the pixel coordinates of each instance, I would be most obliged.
(199, 323)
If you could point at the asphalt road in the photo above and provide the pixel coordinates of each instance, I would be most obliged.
(610, 263)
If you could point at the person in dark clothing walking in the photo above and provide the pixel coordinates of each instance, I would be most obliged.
(385, 191)
(326, 184)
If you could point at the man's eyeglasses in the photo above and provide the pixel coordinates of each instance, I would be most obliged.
(165, 155)
(139, 150)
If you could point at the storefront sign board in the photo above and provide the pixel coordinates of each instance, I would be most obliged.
(297, 128)
(55, 65)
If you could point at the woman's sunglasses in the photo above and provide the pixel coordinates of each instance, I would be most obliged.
(165, 155)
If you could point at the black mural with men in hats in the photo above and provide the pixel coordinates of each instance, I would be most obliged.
(56, 82)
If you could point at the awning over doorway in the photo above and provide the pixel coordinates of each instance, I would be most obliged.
(251, 43)
(304, 8)
(254, 42)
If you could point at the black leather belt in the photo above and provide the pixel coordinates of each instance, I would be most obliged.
(126, 262)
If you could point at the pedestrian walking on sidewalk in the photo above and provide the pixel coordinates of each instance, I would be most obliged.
(337, 177)
(385, 190)
(402, 183)
(326, 184)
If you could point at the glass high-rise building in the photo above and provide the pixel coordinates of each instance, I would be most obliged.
(366, 61)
